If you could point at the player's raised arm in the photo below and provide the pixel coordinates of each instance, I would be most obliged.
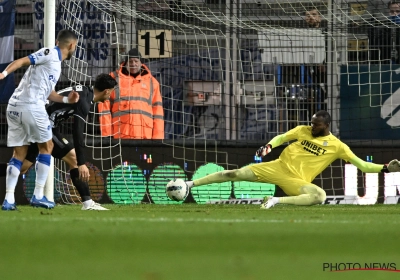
(369, 167)
(15, 65)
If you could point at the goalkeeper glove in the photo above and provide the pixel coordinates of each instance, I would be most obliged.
(393, 166)
(263, 150)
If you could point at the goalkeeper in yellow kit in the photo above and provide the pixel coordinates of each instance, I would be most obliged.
(299, 163)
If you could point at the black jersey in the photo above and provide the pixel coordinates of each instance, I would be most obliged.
(60, 112)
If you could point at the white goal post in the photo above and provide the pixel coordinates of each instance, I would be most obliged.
(49, 41)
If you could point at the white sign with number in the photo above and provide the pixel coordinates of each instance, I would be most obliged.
(155, 43)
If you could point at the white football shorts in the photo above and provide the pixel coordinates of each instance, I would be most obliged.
(27, 123)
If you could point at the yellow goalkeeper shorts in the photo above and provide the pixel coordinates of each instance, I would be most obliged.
(275, 172)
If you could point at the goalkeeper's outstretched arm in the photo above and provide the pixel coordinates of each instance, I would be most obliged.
(369, 167)
(275, 142)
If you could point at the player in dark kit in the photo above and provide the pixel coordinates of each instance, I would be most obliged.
(60, 112)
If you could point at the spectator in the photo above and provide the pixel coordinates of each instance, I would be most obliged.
(134, 110)
(384, 36)
(394, 11)
(316, 74)
(313, 18)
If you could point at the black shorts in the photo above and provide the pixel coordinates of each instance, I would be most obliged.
(61, 147)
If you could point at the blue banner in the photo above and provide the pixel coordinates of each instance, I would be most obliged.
(7, 24)
(370, 102)
(94, 47)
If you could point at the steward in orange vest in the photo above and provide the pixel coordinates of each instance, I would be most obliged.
(135, 109)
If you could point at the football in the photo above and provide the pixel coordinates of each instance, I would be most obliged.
(177, 190)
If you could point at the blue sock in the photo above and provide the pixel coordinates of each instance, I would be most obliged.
(13, 170)
(42, 171)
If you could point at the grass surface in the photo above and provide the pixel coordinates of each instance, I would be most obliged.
(192, 241)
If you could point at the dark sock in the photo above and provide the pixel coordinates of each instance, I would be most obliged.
(81, 187)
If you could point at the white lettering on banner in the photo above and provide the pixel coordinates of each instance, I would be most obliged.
(350, 180)
(94, 45)
(391, 181)
(392, 185)
(351, 185)
(371, 189)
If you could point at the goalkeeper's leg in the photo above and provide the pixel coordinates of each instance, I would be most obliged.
(305, 195)
(309, 195)
(242, 174)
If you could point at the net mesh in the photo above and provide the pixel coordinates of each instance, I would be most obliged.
(243, 72)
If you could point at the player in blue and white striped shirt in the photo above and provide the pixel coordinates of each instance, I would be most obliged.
(27, 118)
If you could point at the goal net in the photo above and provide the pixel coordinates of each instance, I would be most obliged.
(234, 74)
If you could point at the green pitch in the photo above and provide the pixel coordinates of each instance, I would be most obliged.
(190, 241)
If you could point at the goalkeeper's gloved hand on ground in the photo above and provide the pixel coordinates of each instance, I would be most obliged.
(393, 166)
(263, 150)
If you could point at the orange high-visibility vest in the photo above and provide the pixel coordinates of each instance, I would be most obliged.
(134, 110)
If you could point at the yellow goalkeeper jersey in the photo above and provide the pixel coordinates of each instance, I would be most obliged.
(309, 156)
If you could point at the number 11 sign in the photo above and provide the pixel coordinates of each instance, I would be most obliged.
(155, 43)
